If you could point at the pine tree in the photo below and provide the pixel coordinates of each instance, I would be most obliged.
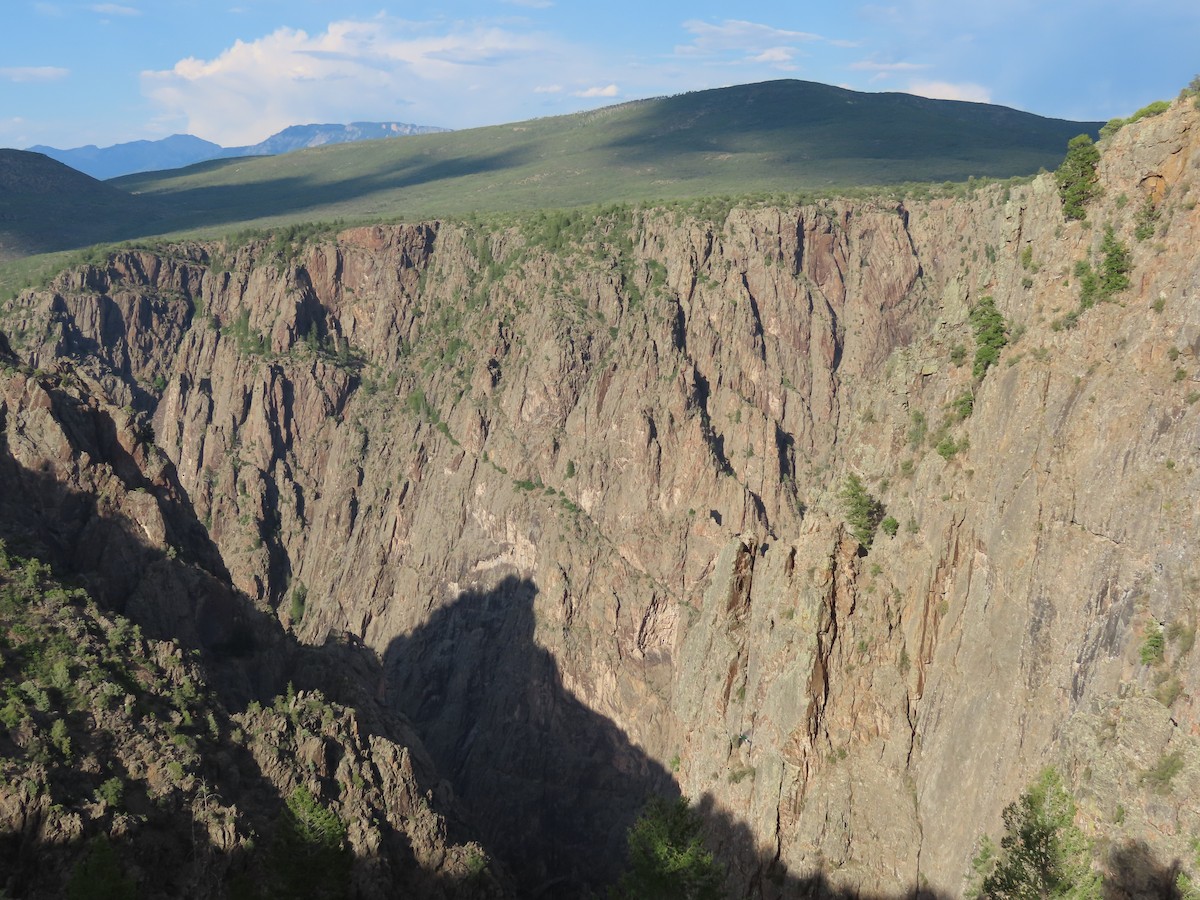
(1076, 177)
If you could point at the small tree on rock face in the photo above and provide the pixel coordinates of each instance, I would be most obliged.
(1076, 177)
(667, 858)
(1042, 853)
(1114, 270)
(991, 335)
(309, 855)
(99, 875)
(863, 512)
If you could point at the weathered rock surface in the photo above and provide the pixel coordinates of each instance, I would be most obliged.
(577, 485)
(196, 770)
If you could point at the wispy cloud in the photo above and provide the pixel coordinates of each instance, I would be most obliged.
(608, 90)
(114, 9)
(532, 4)
(777, 56)
(49, 9)
(751, 41)
(33, 73)
(945, 90)
(548, 89)
(868, 65)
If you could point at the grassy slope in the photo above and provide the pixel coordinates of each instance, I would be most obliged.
(776, 136)
(781, 136)
(45, 205)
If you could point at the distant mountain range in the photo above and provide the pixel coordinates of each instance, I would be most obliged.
(184, 149)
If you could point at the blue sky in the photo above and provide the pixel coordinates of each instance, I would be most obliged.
(76, 72)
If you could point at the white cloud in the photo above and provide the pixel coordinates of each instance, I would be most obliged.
(610, 90)
(532, 4)
(425, 73)
(738, 36)
(868, 65)
(945, 90)
(13, 133)
(548, 89)
(114, 9)
(777, 55)
(33, 73)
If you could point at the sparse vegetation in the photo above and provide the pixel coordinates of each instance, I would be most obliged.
(1076, 177)
(863, 512)
(310, 856)
(249, 340)
(1182, 635)
(963, 405)
(948, 447)
(1147, 219)
(299, 603)
(1160, 776)
(917, 428)
(1151, 109)
(99, 875)
(1114, 268)
(1153, 645)
(991, 334)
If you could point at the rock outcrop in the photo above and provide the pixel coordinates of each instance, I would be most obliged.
(576, 482)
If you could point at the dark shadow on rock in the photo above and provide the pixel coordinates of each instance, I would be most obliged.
(244, 653)
(548, 785)
(1132, 872)
(551, 785)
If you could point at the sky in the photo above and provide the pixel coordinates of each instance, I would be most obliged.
(76, 72)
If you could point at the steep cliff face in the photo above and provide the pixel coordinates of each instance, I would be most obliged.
(577, 484)
(154, 742)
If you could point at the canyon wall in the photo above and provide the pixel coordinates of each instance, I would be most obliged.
(576, 484)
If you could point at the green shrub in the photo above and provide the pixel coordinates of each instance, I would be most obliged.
(667, 858)
(1147, 218)
(917, 429)
(964, 405)
(890, 526)
(947, 447)
(99, 875)
(1164, 771)
(1115, 267)
(1076, 177)
(61, 738)
(309, 854)
(863, 512)
(299, 603)
(1150, 109)
(112, 792)
(1089, 284)
(991, 334)
(1152, 647)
